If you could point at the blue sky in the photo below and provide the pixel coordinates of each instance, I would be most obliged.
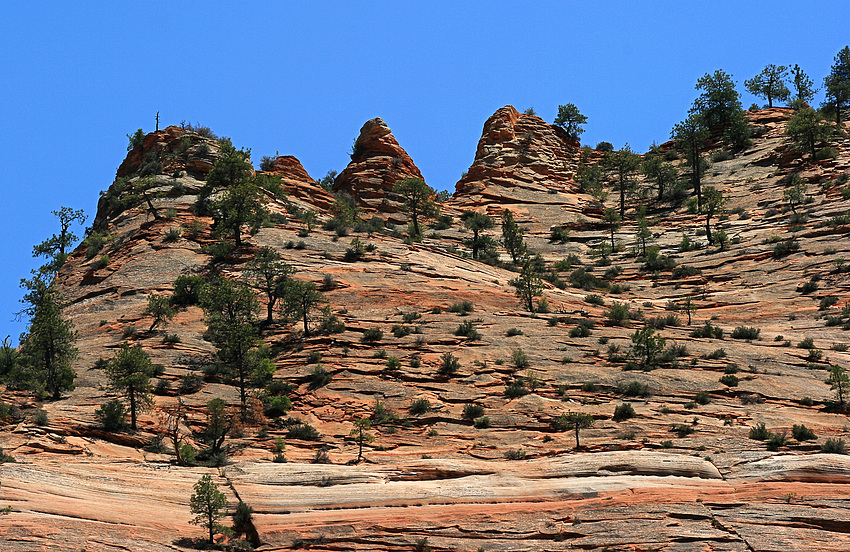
(301, 78)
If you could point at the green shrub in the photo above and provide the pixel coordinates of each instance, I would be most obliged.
(715, 354)
(393, 363)
(516, 388)
(513, 332)
(580, 331)
(314, 357)
(633, 389)
(515, 454)
(834, 446)
(581, 278)
(802, 433)
(187, 291)
(682, 430)
(623, 412)
(661, 322)
(806, 343)
(594, 299)
(759, 432)
(449, 364)
(708, 331)
(400, 331)
(191, 383)
(466, 329)
(776, 440)
(520, 360)
(482, 423)
(372, 335)
(472, 411)
(462, 308)
(730, 380)
(785, 248)
(684, 271)
(702, 398)
(419, 406)
(745, 332)
(319, 377)
(275, 407)
(303, 431)
(618, 314)
(827, 302)
(111, 415)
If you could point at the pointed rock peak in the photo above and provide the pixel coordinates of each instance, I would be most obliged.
(300, 185)
(289, 167)
(377, 163)
(518, 155)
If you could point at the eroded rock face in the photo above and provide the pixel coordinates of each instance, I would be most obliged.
(518, 154)
(378, 163)
(175, 149)
(298, 183)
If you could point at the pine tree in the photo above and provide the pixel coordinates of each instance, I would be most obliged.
(690, 135)
(512, 237)
(837, 85)
(269, 274)
(623, 162)
(770, 84)
(57, 247)
(208, 505)
(478, 222)
(417, 200)
(129, 373)
(47, 348)
(570, 119)
(528, 285)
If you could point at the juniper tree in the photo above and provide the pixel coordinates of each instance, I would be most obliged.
(300, 298)
(662, 173)
(646, 346)
(575, 421)
(712, 204)
(806, 130)
(159, 309)
(839, 382)
(690, 135)
(361, 435)
(795, 194)
(570, 119)
(837, 85)
(719, 100)
(642, 235)
(478, 222)
(129, 373)
(230, 310)
(269, 274)
(528, 285)
(512, 237)
(804, 88)
(208, 504)
(47, 347)
(612, 219)
(417, 201)
(57, 247)
(770, 84)
(623, 163)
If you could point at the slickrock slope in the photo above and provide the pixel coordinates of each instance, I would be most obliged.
(298, 184)
(681, 474)
(377, 163)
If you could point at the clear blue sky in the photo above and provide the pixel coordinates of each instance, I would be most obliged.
(302, 77)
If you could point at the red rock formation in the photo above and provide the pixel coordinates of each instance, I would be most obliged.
(176, 149)
(518, 153)
(298, 183)
(378, 164)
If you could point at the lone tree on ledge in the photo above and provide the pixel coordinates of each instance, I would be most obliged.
(570, 119)
(417, 201)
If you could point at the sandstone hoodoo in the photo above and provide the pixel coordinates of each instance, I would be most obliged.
(377, 163)
(518, 157)
(298, 184)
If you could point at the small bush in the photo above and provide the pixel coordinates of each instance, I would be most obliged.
(785, 248)
(463, 308)
(776, 440)
(516, 388)
(729, 380)
(419, 406)
(449, 364)
(472, 411)
(372, 335)
(319, 377)
(513, 332)
(708, 331)
(191, 383)
(482, 423)
(187, 291)
(684, 271)
(400, 331)
(618, 314)
(580, 331)
(594, 299)
(801, 433)
(520, 360)
(623, 412)
(466, 329)
(682, 430)
(745, 332)
(275, 406)
(702, 398)
(834, 446)
(39, 418)
(806, 343)
(715, 354)
(633, 389)
(759, 432)
(515, 454)
(303, 431)
(827, 302)
(111, 415)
